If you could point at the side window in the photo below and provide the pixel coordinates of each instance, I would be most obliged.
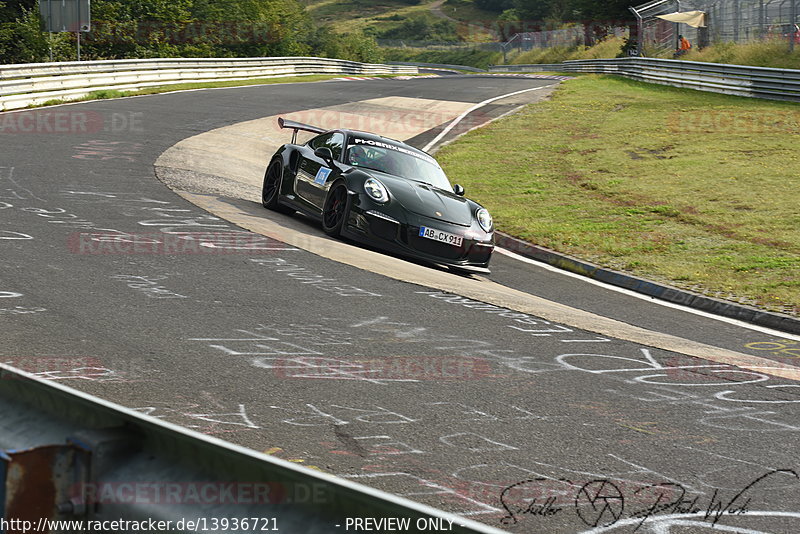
(334, 141)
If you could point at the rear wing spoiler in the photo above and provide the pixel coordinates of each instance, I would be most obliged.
(295, 126)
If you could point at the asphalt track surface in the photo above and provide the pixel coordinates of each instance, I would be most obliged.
(523, 424)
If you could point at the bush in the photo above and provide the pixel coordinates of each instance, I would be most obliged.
(352, 46)
(498, 6)
(607, 48)
(422, 27)
(768, 53)
(471, 58)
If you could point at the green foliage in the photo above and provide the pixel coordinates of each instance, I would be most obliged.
(422, 27)
(353, 46)
(570, 10)
(498, 6)
(23, 41)
(11, 10)
(181, 28)
(607, 48)
(469, 57)
(768, 53)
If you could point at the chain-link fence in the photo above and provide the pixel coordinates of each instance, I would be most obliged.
(575, 35)
(440, 45)
(737, 21)
(544, 39)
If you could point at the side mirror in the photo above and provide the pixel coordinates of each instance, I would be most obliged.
(458, 190)
(324, 153)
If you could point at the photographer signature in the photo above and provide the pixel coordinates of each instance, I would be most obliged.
(601, 502)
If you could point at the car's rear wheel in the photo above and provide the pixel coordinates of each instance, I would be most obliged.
(334, 212)
(272, 187)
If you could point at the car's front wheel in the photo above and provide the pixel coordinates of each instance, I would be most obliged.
(334, 212)
(271, 188)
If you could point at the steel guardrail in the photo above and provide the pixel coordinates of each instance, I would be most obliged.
(25, 85)
(741, 80)
(68, 456)
(446, 66)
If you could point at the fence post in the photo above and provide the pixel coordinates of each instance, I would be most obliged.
(639, 31)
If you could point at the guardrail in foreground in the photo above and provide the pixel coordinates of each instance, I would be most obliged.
(756, 82)
(68, 456)
(32, 84)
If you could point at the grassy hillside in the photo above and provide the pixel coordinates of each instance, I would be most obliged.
(466, 11)
(376, 16)
(381, 18)
(462, 21)
(773, 53)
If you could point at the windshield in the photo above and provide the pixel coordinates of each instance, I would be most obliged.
(396, 160)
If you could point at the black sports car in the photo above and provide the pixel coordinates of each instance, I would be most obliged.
(380, 192)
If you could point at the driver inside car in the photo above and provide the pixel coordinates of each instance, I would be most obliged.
(358, 156)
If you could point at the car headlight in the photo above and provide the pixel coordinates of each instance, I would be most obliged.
(484, 219)
(376, 190)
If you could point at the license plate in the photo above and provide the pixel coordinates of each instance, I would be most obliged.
(441, 236)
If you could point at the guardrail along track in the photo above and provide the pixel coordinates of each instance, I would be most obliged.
(756, 82)
(32, 84)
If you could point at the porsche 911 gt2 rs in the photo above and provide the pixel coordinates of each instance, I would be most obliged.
(380, 192)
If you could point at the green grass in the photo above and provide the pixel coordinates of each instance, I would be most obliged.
(769, 53)
(107, 93)
(689, 188)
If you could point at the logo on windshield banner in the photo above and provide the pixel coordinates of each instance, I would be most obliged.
(370, 142)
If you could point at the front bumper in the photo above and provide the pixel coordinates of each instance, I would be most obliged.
(374, 227)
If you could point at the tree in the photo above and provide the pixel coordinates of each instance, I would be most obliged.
(614, 11)
(11, 10)
(23, 41)
(574, 10)
(497, 6)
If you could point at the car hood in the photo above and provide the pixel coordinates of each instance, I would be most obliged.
(427, 200)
